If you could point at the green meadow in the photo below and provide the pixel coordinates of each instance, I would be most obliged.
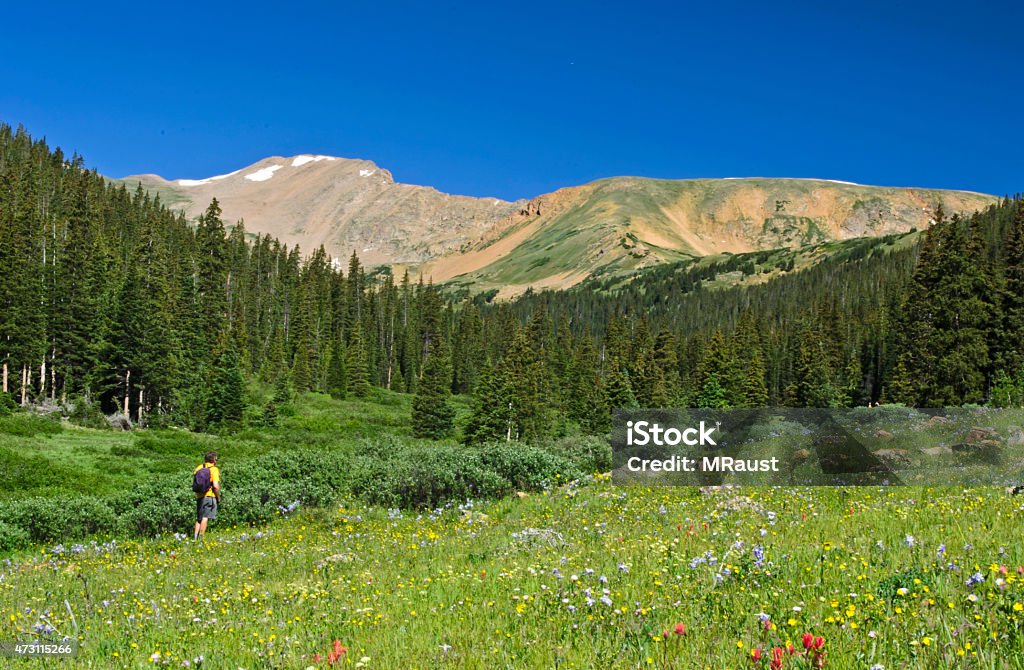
(561, 570)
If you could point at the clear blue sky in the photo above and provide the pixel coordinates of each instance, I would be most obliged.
(516, 99)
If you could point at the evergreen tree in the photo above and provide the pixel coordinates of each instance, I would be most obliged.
(666, 359)
(619, 389)
(491, 418)
(532, 412)
(356, 367)
(337, 375)
(586, 403)
(226, 398)
(432, 413)
(712, 394)
(211, 274)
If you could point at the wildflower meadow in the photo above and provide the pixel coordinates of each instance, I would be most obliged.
(581, 574)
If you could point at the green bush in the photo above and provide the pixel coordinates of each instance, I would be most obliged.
(8, 405)
(58, 518)
(172, 443)
(587, 452)
(526, 467)
(12, 538)
(385, 471)
(88, 415)
(426, 477)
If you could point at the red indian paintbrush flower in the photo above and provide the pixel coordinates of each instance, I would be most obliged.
(335, 654)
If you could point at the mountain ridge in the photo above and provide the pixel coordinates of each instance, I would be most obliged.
(554, 240)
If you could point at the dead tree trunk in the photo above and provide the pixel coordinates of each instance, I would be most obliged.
(127, 391)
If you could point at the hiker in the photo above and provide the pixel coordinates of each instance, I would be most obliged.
(206, 485)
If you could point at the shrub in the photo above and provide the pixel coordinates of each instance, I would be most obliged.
(171, 443)
(88, 415)
(526, 467)
(426, 477)
(587, 452)
(8, 405)
(12, 537)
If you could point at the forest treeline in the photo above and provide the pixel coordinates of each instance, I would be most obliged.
(110, 300)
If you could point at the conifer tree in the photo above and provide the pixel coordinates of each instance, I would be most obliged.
(586, 403)
(356, 367)
(432, 413)
(211, 273)
(532, 411)
(337, 375)
(618, 388)
(666, 357)
(226, 397)
(491, 418)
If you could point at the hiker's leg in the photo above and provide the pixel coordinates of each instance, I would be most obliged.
(202, 526)
(195, 533)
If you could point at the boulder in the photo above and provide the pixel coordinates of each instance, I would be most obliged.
(883, 435)
(1016, 437)
(799, 457)
(119, 422)
(936, 420)
(714, 490)
(941, 450)
(978, 445)
(740, 504)
(893, 456)
(985, 450)
(978, 435)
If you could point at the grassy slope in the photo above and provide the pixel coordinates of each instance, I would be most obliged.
(457, 589)
(625, 223)
(97, 462)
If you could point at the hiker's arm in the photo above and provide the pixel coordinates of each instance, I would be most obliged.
(216, 490)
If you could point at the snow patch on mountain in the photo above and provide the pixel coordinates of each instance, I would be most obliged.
(208, 180)
(263, 174)
(299, 161)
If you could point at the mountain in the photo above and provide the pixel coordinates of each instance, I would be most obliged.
(556, 240)
(344, 204)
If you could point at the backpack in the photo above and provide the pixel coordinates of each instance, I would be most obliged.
(201, 483)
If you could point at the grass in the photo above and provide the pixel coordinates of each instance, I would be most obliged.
(583, 575)
(69, 459)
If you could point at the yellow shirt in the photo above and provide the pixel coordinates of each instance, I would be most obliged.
(214, 478)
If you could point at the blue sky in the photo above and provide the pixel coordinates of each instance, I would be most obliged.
(517, 99)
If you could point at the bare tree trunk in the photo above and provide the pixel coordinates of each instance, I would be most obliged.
(53, 377)
(508, 433)
(127, 388)
(24, 385)
(141, 390)
(42, 378)
(5, 376)
(391, 352)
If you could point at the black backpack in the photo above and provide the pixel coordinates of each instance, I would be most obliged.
(201, 483)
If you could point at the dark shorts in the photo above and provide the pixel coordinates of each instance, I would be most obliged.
(206, 508)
